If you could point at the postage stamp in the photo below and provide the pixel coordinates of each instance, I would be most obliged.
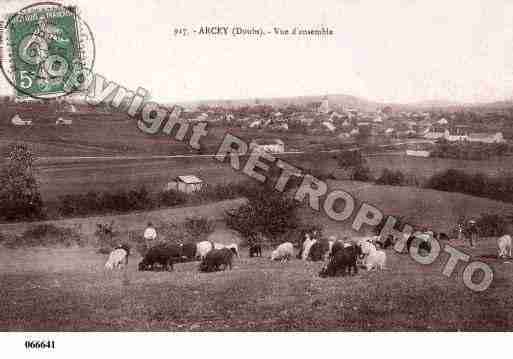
(46, 45)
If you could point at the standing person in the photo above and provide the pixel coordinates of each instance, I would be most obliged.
(150, 233)
(473, 232)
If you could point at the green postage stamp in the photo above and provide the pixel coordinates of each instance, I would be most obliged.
(46, 50)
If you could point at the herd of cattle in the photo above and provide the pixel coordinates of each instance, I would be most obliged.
(341, 256)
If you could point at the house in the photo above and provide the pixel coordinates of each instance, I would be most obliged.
(324, 107)
(344, 136)
(307, 121)
(62, 121)
(486, 137)
(273, 146)
(354, 132)
(457, 133)
(417, 153)
(437, 132)
(389, 131)
(281, 127)
(186, 184)
(255, 124)
(329, 126)
(18, 121)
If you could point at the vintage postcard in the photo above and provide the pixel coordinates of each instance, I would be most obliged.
(255, 166)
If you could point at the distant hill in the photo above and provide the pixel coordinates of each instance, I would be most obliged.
(337, 100)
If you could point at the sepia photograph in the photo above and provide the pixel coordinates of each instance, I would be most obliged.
(255, 166)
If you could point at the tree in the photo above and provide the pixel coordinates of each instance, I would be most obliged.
(355, 164)
(19, 193)
(267, 212)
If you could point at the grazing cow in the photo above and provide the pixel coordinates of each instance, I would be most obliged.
(337, 246)
(233, 247)
(443, 237)
(342, 260)
(164, 254)
(366, 246)
(202, 248)
(504, 245)
(283, 252)
(255, 250)
(375, 259)
(307, 245)
(124, 246)
(188, 251)
(116, 258)
(389, 241)
(318, 250)
(217, 258)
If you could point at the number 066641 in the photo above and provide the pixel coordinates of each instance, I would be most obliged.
(40, 344)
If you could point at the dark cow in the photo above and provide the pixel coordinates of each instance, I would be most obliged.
(343, 260)
(215, 259)
(443, 237)
(337, 246)
(255, 250)
(389, 241)
(318, 250)
(421, 244)
(188, 252)
(164, 254)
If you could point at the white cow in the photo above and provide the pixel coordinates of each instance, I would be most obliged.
(283, 252)
(504, 245)
(202, 248)
(116, 258)
(367, 247)
(375, 260)
(307, 245)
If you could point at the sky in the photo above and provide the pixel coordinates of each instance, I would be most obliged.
(399, 51)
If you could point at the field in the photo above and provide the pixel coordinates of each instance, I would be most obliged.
(426, 167)
(59, 177)
(68, 289)
(117, 134)
(436, 209)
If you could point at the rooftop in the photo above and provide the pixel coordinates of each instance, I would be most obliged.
(189, 179)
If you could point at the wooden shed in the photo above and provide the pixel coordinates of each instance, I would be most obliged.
(186, 184)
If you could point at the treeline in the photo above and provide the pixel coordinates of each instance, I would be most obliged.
(480, 185)
(96, 203)
(470, 150)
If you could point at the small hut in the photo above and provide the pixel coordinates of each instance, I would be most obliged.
(186, 184)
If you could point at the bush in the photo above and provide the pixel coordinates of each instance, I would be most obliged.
(267, 212)
(491, 225)
(171, 198)
(45, 235)
(198, 228)
(105, 234)
(362, 173)
(469, 151)
(96, 202)
(19, 193)
(391, 178)
(474, 184)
